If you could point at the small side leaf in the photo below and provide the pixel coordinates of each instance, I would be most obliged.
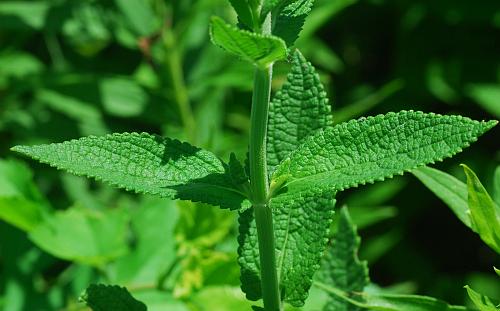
(482, 302)
(147, 164)
(297, 111)
(261, 50)
(341, 267)
(101, 297)
(484, 213)
(452, 191)
(375, 148)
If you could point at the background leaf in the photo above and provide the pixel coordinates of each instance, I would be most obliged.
(105, 297)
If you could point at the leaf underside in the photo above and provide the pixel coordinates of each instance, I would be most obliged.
(302, 220)
(146, 164)
(261, 50)
(341, 267)
(375, 148)
(101, 297)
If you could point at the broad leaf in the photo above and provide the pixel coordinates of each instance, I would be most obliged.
(101, 297)
(243, 11)
(21, 204)
(291, 18)
(390, 302)
(452, 191)
(482, 302)
(341, 267)
(374, 148)
(145, 164)
(82, 235)
(122, 97)
(484, 213)
(301, 225)
(297, 111)
(261, 50)
(139, 15)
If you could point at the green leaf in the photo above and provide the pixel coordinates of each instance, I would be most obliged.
(375, 148)
(341, 267)
(21, 204)
(261, 50)
(122, 97)
(101, 297)
(82, 235)
(153, 225)
(301, 225)
(484, 213)
(487, 96)
(139, 16)
(145, 163)
(496, 187)
(243, 10)
(482, 302)
(22, 14)
(497, 271)
(297, 111)
(391, 302)
(290, 20)
(452, 191)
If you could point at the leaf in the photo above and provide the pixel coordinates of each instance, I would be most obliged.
(101, 297)
(374, 148)
(341, 267)
(139, 16)
(301, 227)
(452, 191)
(85, 236)
(484, 213)
(122, 97)
(21, 204)
(297, 111)
(261, 50)
(497, 271)
(154, 250)
(487, 96)
(23, 14)
(392, 302)
(482, 302)
(496, 183)
(244, 13)
(291, 19)
(144, 163)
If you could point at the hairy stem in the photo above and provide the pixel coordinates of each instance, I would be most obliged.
(260, 189)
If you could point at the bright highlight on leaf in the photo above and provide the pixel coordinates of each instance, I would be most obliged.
(101, 297)
(147, 164)
(261, 50)
(375, 148)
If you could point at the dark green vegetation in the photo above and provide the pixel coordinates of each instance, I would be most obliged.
(91, 68)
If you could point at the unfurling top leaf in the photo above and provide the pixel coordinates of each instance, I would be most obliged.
(145, 163)
(243, 11)
(341, 267)
(297, 111)
(374, 148)
(290, 19)
(101, 297)
(261, 50)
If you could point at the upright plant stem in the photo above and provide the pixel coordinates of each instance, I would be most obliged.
(260, 188)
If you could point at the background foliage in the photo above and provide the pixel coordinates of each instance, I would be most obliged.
(76, 68)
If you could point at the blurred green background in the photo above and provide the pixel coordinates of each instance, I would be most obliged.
(75, 68)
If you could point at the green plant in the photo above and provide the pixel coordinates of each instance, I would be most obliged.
(297, 162)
